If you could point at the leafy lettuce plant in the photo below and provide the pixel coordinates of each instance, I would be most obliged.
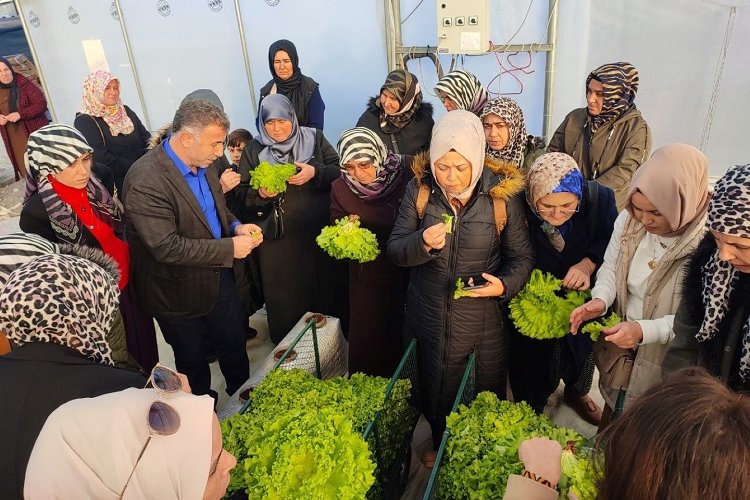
(482, 448)
(347, 240)
(302, 437)
(542, 309)
(459, 291)
(273, 178)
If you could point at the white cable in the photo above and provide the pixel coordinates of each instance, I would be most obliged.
(706, 134)
(412, 12)
(522, 23)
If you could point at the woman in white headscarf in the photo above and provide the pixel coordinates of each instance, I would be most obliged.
(105, 447)
(479, 246)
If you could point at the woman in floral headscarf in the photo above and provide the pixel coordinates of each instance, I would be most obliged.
(399, 117)
(644, 262)
(460, 89)
(570, 223)
(66, 204)
(371, 186)
(112, 129)
(505, 131)
(57, 310)
(712, 324)
(608, 139)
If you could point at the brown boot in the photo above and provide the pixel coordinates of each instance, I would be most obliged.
(584, 406)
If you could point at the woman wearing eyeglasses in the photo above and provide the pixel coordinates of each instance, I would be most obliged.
(57, 310)
(133, 444)
(570, 223)
(653, 238)
(371, 186)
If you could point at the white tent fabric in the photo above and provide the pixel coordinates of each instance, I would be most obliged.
(691, 54)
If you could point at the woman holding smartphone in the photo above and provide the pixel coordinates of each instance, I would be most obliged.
(476, 243)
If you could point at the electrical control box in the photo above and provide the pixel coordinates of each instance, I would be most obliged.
(463, 26)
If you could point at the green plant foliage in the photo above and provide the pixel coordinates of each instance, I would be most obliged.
(595, 328)
(347, 240)
(302, 437)
(578, 474)
(482, 448)
(542, 309)
(448, 221)
(273, 178)
(459, 291)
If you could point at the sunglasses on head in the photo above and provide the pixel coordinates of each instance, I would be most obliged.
(162, 419)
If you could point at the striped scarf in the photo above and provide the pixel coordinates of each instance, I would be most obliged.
(19, 248)
(363, 145)
(405, 88)
(50, 150)
(509, 111)
(464, 89)
(620, 82)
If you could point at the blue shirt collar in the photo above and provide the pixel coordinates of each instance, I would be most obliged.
(181, 165)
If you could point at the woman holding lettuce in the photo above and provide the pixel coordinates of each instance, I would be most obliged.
(296, 275)
(371, 186)
(485, 242)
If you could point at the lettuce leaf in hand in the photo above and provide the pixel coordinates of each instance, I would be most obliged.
(595, 328)
(272, 178)
(347, 240)
(448, 221)
(459, 291)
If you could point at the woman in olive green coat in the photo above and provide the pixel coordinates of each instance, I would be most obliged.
(609, 139)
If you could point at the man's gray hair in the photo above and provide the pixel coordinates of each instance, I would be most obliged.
(198, 114)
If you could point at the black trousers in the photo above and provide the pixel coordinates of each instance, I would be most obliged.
(224, 326)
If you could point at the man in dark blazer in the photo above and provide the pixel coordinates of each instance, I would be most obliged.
(183, 242)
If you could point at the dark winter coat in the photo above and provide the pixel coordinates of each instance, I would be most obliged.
(447, 330)
(412, 139)
(617, 148)
(31, 105)
(377, 289)
(118, 152)
(39, 377)
(720, 355)
(296, 275)
(533, 377)
(312, 113)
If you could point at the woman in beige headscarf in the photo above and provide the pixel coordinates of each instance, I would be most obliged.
(100, 448)
(663, 223)
(476, 245)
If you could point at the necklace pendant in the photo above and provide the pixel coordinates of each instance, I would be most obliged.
(652, 264)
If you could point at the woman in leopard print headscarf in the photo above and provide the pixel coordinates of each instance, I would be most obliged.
(62, 299)
(712, 326)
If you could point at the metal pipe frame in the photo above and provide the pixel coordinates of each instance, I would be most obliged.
(550, 48)
(246, 57)
(549, 75)
(133, 67)
(37, 64)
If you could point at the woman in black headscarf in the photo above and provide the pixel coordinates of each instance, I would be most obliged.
(302, 91)
(398, 115)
